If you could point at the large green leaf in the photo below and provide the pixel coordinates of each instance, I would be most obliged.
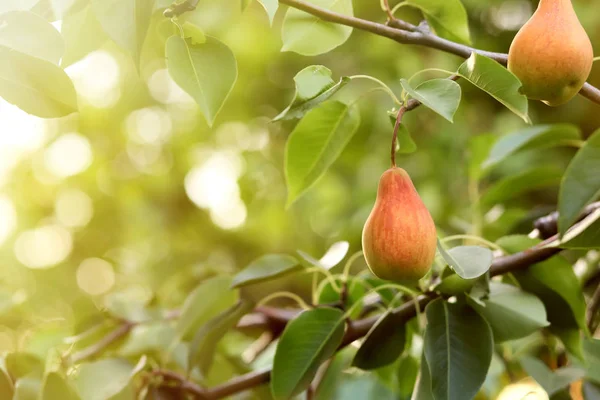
(497, 81)
(204, 345)
(29, 33)
(581, 183)
(468, 262)
(456, 337)
(306, 342)
(514, 185)
(206, 71)
(83, 34)
(313, 86)
(210, 298)
(553, 281)
(316, 143)
(34, 85)
(551, 381)
(539, 136)
(126, 22)
(448, 18)
(423, 387)
(55, 386)
(105, 379)
(27, 388)
(270, 7)
(267, 267)
(383, 344)
(309, 35)
(511, 312)
(440, 95)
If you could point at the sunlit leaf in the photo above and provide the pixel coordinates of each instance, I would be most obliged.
(267, 267)
(55, 386)
(21, 364)
(27, 388)
(28, 33)
(439, 95)
(468, 262)
(316, 142)
(539, 136)
(206, 71)
(448, 18)
(497, 81)
(456, 336)
(309, 35)
(126, 22)
(306, 342)
(581, 183)
(36, 86)
(313, 86)
(83, 34)
(103, 379)
(270, 7)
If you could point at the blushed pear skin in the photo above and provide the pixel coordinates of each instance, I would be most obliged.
(399, 238)
(551, 54)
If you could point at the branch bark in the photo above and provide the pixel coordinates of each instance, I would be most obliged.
(398, 31)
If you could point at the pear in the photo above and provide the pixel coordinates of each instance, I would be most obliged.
(399, 238)
(551, 54)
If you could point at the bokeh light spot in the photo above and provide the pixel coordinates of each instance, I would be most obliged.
(43, 247)
(8, 218)
(150, 125)
(73, 208)
(95, 276)
(97, 78)
(68, 155)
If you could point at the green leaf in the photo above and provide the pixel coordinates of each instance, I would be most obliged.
(584, 235)
(468, 262)
(267, 267)
(27, 388)
(332, 257)
(580, 184)
(309, 35)
(479, 148)
(306, 342)
(551, 381)
(55, 386)
(553, 281)
(34, 85)
(29, 33)
(147, 338)
(497, 81)
(423, 387)
(204, 345)
(270, 7)
(313, 86)
(383, 344)
(206, 71)
(447, 18)
(83, 34)
(22, 364)
(456, 337)
(210, 298)
(126, 22)
(316, 142)
(6, 386)
(356, 292)
(591, 348)
(515, 185)
(571, 339)
(511, 312)
(105, 379)
(407, 372)
(193, 32)
(439, 95)
(454, 285)
(404, 141)
(535, 137)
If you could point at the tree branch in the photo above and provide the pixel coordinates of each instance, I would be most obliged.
(400, 32)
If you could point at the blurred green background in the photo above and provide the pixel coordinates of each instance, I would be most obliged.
(135, 200)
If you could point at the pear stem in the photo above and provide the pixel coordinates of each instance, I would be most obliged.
(401, 112)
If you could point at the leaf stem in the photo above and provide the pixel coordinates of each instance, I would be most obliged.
(475, 238)
(349, 263)
(288, 295)
(449, 73)
(401, 112)
(383, 85)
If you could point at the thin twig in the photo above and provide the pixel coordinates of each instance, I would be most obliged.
(118, 333)
(592, 310)
(401, 112)
(396, 30)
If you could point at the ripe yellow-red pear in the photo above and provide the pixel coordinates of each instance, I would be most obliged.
(399, 238)
(551, 54)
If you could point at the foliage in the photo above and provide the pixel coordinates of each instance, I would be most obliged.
(183, 187)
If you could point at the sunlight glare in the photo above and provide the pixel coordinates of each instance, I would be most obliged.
(73, 208)
(95, 276)
(43, 247)
(8, 218)
(97, 78)
(68, 155)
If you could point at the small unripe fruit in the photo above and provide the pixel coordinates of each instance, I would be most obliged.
(551, 54)
(399, 238)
